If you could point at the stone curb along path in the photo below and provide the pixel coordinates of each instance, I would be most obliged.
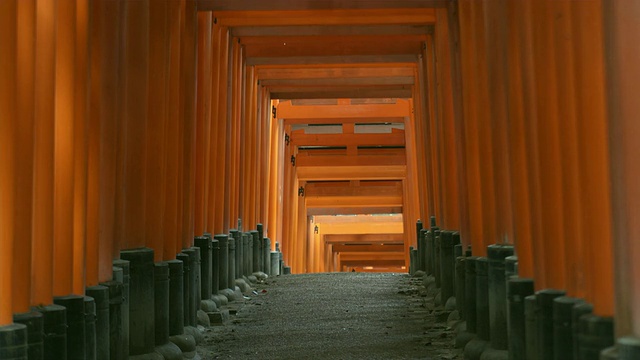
(336, 316)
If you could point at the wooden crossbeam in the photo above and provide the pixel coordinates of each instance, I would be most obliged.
(395, 138)
(353, 93)
(364, 255)
(341, 81)
(367, 210)
(372, 262)
(364, 238)
(287, 111)
(353, 201)
(332, 59)
(248, 5)
(320, 72)
(349, 160)
(344, 248)
(393, 189)
(374, 172)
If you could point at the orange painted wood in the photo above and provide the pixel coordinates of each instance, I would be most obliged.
(221, 123)
(156, 127)
(622, 111)
(24, 147)
(213, 155)
(42, 260)
(433, 163)
(593, 148)
(8, 100)
(170, 216)
(203, 117)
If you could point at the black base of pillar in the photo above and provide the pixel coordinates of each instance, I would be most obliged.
(126, 282)
(13, 342)
(628, 348)
(54, 318)
(35, 333)
(101, 296)
(75, 325)
(517, 290)
(596, 334)
(531, 326)
(90, 328)
(115, 339)
(545, 321)
(562, 327)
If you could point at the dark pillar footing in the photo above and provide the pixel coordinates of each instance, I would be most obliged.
(545, 321)
(628, 348)
(13, 342)
(101, 296)
(460, 286)
(142, 304)
(231, 243)
(266, 255)
(275, 263)
(562, 326)
(517, 290)
(161, 291)
(215, 267)
(35, 334)
(498, 295)
(413, 254)
(255, 253)
(576, 313)
(204, 244)
(260, 248)
(54, 318)
(436, 265)
(596, 334)
(184, 258)
(115, 289)
(531, 311)
(126, 282)
(90, 328)
(75, 325)
(223, 261)
(446, 266)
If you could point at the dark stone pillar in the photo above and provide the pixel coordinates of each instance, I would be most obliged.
(231, 271)
(215, 267)
(419, 265)
(446, 266)
(13, 342)
(35, 334)
(115, 320)
(275, 263)
(255, 253)
(90, 328)
(545, 322)
(421, 256)
(196, 270)
(186, 291)
(413, 260)
(260, 258)
(510, 266)
(126, 282)
(596, 334)
(429, 254)
(194, 298)
(247, 246)
(176, 297)
(101, 296)
(266, 255)
(562, 326)
(436, 264)
(498, 295)
(161, 293)
(576, 313)
(531, 311)
(54, 318)
(223, 263)
(517, 290)
(204, 244)
(628, 348)
(74, 304)
(460, 286)
(482, 299)
(141, 317)
(470, 293)
(237, 236)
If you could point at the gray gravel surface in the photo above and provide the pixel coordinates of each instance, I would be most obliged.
(333, 316)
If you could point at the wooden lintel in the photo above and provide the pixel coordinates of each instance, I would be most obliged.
(395, 138)
(366, 210)
(324, 72)
(347, 190)
(338, 120)
(342, 248)
(287, 111)
(340, 30)
(364, 238)
(341, 81)
(280, 5)
(376, 172)
(353, 201)
(350, 160)
(332, 59)
(351, 94)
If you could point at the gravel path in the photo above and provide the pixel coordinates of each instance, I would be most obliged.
(333, 316)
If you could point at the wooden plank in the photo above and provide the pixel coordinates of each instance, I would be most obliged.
(339, 120)
(395, 138)
(287, 111)
(353, 201)
(350, 160)
(339, 30)
(320, 72)
(366, 248)
(375, 172)
(388, 239)
(315, 190)
(332, 59)
(366, 210)
(341, 81)
(357, 93)
(253, 5)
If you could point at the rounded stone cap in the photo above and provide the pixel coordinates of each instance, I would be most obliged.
(33, 320)
(203, 242)
(13, 335)
(176, 268)
(259, 226)
(234, 232)
(546, 297)
(89, 308)
(470, 264)
(497, 252)
(267, 241)
(518, 288)
(124, 265)
(231, 243)
(563, 307)
(446, 240)
(115, 292)
(184, 257)
(455, 237)
(594, 325)
(161, 271)
(100, 294)
(139, 255)
(74, 305)
(628, 347)
(222, 238)
(581, 309)
(530, 307)
(482, 266)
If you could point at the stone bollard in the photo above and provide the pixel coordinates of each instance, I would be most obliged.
(215, 266)
(247, 246)
(161, 295)
(186, 284)
(510, 266)
(576, 313)
(255, 253)
(531, 311)
(75, 325)
(460, 286)
(266, 254)
(429, 256)
(275, 263)
(237, 236)
(517, 290)
(260, 230)
(474, 349)
(205, 246)
(142, 304)
(101, 296)
(35, 335)
(446, 266)
(115, 336)
(545, 322)
(470, 292)
(194, 289)
(176, 297)
(126, 282)
(628, 348)
(223, 262)
(231, 271)
(419, 265)
(437, 243)
(90, 328)
(562, 326)
(13, 342)
(54, 323)
(498, 295)
(596, 334)
(413, 254)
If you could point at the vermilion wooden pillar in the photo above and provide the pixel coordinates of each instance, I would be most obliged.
(213, 135)
(221, 216)
(623, 74)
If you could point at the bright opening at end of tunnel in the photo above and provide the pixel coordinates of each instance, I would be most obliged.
(356, 243)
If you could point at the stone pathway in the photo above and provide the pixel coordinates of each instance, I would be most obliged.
(334, 316)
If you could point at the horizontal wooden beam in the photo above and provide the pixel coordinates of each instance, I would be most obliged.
(372, 262)
(390, 226)
(364, 238)
(350, 160)
(340, 81)
(353, 201)
(375, 172)
(342, 94)
(339, 30)
(253, 5)
(320, 72)
(287, 111)
(395, 138)
(326, 17)
(342, 248)
(339, 120)
(332, 59)
(347, 190)
(366, 210)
